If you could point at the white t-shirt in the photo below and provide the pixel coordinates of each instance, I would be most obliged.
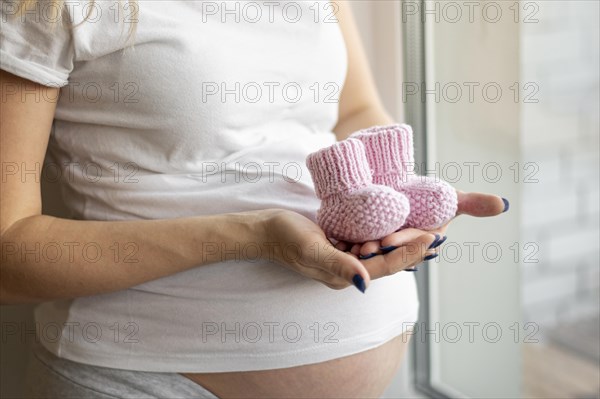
(213, 110)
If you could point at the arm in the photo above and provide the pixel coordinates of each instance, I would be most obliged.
(163, 247)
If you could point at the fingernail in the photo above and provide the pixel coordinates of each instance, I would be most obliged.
(432, 256)
(436, 244)
(437, 238)
(506, 205)
(411, 270)
(359, 283)
(369, 256)
(387, 249)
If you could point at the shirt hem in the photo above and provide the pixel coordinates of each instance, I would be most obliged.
(204, 363)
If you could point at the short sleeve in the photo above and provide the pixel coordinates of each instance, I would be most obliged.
(34, 45)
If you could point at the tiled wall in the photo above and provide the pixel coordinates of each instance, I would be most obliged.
(560, 55)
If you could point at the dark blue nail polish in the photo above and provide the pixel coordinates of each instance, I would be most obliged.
(411, 270)
(387, 249)
(439, 242)
(359, 283)
(506, 205)
(369, 256)
(432, 256)
(433, 244)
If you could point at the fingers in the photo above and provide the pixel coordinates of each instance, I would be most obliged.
(342, 246)
(480, 204)
(365, 250)
(369, 249)
(338, 269)
(404, 257)
(389, 243)
(401, 237)
(357, 249)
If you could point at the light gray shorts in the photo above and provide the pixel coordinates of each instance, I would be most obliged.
(51, 377)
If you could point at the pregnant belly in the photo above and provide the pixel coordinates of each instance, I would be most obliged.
(365, 374)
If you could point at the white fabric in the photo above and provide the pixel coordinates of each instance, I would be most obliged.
(140, 134)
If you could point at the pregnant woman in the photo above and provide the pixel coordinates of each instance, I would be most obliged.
(188, 263)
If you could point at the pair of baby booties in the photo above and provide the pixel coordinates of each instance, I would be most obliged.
(368, 191)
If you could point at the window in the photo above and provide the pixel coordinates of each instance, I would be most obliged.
(506, 97)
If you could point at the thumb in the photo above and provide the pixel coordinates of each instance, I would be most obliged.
(480, 205)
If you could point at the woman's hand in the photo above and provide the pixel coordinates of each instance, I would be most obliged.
(472, 204)
(299, 244)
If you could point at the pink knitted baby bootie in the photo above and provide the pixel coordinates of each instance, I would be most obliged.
(352, 208)
(390, 153)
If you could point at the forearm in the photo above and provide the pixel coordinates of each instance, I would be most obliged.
(46, 258)
(364, 118)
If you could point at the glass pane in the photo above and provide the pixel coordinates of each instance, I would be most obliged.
(559, 61)
(513, 109)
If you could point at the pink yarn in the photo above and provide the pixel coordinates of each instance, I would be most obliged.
(390, 153)
(352, 208)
